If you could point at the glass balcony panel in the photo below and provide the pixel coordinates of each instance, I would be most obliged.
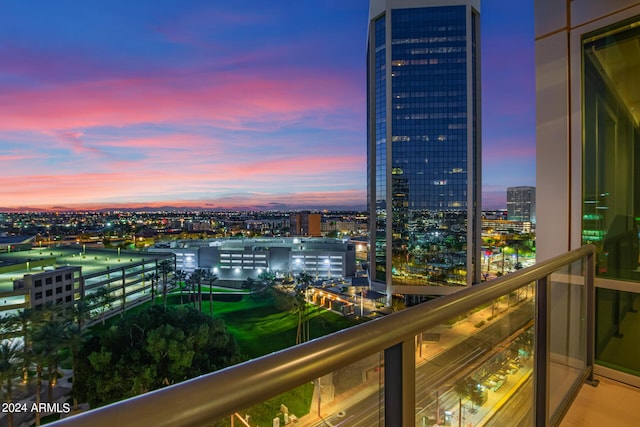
(567, 333)
(349, 396)
(478, 366)
(618, 330)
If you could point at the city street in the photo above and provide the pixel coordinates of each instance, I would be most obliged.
(460, 351)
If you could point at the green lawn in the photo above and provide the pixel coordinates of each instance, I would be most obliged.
(205, 289)
(260, 329)
(257, 326)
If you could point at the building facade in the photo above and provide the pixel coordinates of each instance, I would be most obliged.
(423, 130)
(63, 276)
(521, 204)
(305, 224)
(588, 158)
(236, 260)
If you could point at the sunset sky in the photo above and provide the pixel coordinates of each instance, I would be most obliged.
(255, 104)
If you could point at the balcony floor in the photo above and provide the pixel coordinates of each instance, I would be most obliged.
(611, 403)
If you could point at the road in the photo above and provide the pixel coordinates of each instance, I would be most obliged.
(439, 373)
(517, 411)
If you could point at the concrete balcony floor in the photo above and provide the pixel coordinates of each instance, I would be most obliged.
(610, 404)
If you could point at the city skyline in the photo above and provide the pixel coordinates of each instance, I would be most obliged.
(232, 106)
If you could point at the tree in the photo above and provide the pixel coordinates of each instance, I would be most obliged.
(258, 288)
(10, 368)
(196, 278)
(267, 278)
(154, 279)
(23, 323)
(74, 337)
(165, 267)
(301, 308)
(80, 312)
(304, 279)
(468, 388)
(211, 279)
(150, 349)
(250, 284)
(100, 301)
(48, 341)
(180, 280)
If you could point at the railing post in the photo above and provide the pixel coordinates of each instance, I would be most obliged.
(541, 354)
(399, 384)
(590, 287)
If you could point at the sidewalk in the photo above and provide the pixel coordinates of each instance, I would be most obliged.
(451, 335)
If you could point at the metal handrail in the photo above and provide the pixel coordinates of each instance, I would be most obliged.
(218, 394)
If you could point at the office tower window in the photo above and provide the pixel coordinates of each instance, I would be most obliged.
(611, 178)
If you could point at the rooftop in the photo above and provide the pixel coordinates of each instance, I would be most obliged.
(91, 261)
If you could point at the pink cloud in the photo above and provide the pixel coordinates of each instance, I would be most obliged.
(73, 139)
(229, 101)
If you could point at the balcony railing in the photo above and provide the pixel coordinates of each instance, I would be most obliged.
(516, 348)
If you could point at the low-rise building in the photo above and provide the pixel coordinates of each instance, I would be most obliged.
(33, 278)
(236, 260)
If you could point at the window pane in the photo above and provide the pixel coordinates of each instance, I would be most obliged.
(611, 198)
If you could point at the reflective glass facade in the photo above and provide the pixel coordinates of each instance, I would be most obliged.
(426, 144)
(380, 149)
(611, 212)
(611, 186)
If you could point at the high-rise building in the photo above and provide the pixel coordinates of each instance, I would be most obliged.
(521, 204)
(305, 224)
(588, 157)
(423, 130)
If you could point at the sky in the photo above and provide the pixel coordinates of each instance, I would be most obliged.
(221, 105)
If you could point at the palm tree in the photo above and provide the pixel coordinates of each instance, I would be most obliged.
(267, 280)
(165, 267)
(80, 312)
(189, 287)
(10, 368)
(22, 323)
(196, 278)
(180, 277)
(48, 341)
(304, 279)
(74, 337)
(38, 358)
(210, 278)
(154, 279)
(300, 308)
(32, 350)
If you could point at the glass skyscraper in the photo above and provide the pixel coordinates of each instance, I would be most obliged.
(423, 131)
